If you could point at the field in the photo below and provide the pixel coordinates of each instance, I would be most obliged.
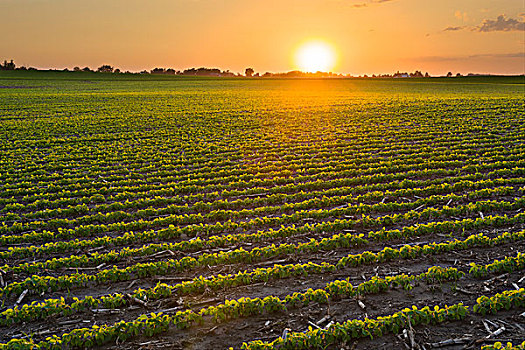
(180, 213)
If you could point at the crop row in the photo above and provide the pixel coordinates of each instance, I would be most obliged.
(209, 229)
(393, 181)
(394, 189)
(37, 310)
(227, 240)
(337, 163)
(157, 323)
(219, 165)
(174, 205)
(233, 182)
(224, 207)
(352, 329)
(39, 284)
(500, 346)
(155, 218)
(507, 264)
(40, 310)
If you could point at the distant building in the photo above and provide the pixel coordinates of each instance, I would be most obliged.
(401, 75)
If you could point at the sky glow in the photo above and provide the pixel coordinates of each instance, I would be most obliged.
(370, 36)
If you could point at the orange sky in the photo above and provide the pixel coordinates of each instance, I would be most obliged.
(371, 36)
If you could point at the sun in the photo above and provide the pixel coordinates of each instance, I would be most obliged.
(315, 56)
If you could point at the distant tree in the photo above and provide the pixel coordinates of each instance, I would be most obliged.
(86, 69)
(458, 75)
(8, 65)
(427, 75)
(116, 71)
(449, 74)
(227, 73)
(106, 68)
(170, 71)
(203, 71)
(76, 69)
(249, 72)
(158, 71)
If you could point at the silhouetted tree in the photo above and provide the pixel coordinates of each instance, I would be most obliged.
(76, 69)
(8, 65)
(249, 72)
(458, 75)
(209, 71)
(86, 69)
(106, 68)
(427, 75)
(212, 72)
(416, 74)
(449, 74)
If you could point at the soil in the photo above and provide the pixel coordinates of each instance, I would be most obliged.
(270, 326)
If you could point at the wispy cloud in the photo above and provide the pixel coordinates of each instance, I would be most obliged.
(511, 55)
(371, 2)
(452, 29)
(500, 55)
(501, 24)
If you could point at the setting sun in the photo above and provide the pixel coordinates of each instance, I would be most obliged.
(315, 56)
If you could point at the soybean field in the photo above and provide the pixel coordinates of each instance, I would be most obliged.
(143, 212)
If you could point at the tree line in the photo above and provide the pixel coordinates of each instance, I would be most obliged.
(215, 72)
